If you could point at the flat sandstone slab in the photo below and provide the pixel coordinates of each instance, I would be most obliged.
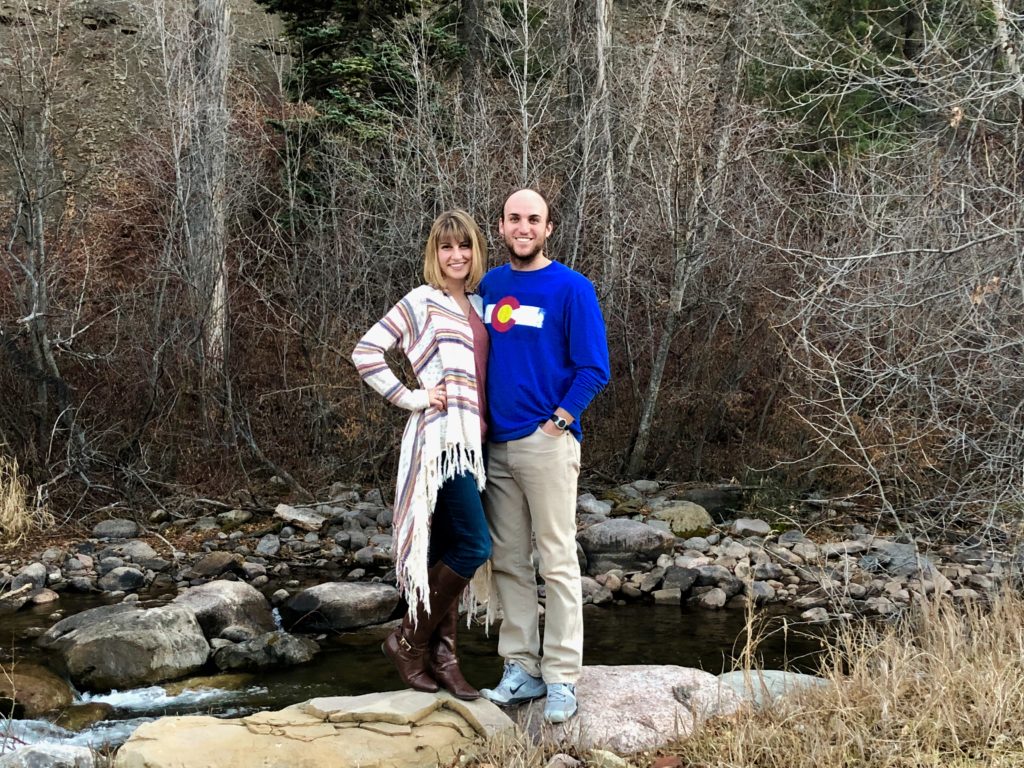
(398, 729)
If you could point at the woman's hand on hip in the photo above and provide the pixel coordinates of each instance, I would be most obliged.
(438, 397)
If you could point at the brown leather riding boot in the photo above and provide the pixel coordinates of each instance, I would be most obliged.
(408, 646)
(444, 660)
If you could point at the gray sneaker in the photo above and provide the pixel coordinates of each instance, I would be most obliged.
(561, 704)
(516, 686)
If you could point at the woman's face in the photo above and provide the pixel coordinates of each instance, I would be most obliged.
(455, 257)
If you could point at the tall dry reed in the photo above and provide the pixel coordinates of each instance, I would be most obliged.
(17, 515)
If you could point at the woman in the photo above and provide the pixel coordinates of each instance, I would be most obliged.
(441, 535)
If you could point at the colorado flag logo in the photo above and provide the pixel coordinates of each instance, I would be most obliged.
(509, 312)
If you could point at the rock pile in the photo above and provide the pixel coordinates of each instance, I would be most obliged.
(328, 567)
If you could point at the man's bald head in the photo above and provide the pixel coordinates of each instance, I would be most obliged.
(527, 196)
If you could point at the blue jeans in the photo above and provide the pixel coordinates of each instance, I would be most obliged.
(458, 530)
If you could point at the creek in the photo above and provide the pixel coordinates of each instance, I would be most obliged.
(352, 663)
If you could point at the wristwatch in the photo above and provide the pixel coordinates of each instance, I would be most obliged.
(559, 422)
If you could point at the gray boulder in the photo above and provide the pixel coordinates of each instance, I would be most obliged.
(135, 550)
(221, 604)
(130, 648)
(900, 559)
(721, 577)
(268, 546)
(300, 517)
(122, 579)
(116, 529)
(273, 649)
(762, 687)
(33, 575)
(632, 708)
(647, 487)
(339, 605)
(587, 504)
(82, 619)
(49, 756)
(12, 601)
(680, 578)
(760, 592)
(230, 520)
(626, 544)
(791, 537)
(714, 599)
(595, 593)
(746, 526)
(216, 564)
(768, 571)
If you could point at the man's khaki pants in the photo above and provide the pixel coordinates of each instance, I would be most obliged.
(531, 493)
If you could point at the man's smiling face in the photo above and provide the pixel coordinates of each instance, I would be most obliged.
(525, 227)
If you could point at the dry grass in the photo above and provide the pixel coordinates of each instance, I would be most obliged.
(943, 687)
(17, 516)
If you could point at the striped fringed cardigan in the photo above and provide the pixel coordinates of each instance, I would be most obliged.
(430, 328)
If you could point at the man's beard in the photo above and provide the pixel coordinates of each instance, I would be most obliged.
(527, 258)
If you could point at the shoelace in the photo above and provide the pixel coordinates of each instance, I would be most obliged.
(560, 694)
(514, 675)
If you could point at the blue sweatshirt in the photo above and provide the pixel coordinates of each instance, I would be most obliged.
(548, 347)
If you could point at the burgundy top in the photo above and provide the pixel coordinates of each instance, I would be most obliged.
(481, 347)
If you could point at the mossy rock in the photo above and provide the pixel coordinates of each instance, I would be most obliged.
(614, 496)
(685, 518)
(228, 681)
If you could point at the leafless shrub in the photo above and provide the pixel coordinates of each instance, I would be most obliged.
(903, 322)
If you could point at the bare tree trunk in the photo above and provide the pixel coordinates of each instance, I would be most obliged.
(473, 36)
(699, 222)
(1007, 47)
(602, 100)
(646, 77)
(524, 110)
(29, 148)
(579, 73)
(205, 180)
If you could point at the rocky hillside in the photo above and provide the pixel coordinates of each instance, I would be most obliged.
(103, 60)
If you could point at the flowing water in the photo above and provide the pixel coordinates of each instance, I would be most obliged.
(352, 663)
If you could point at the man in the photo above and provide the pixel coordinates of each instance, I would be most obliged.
(549, 358)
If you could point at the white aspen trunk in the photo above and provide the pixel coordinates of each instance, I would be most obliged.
(524, 98)
(602, 99)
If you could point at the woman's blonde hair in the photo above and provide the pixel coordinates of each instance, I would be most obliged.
(457, 226)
